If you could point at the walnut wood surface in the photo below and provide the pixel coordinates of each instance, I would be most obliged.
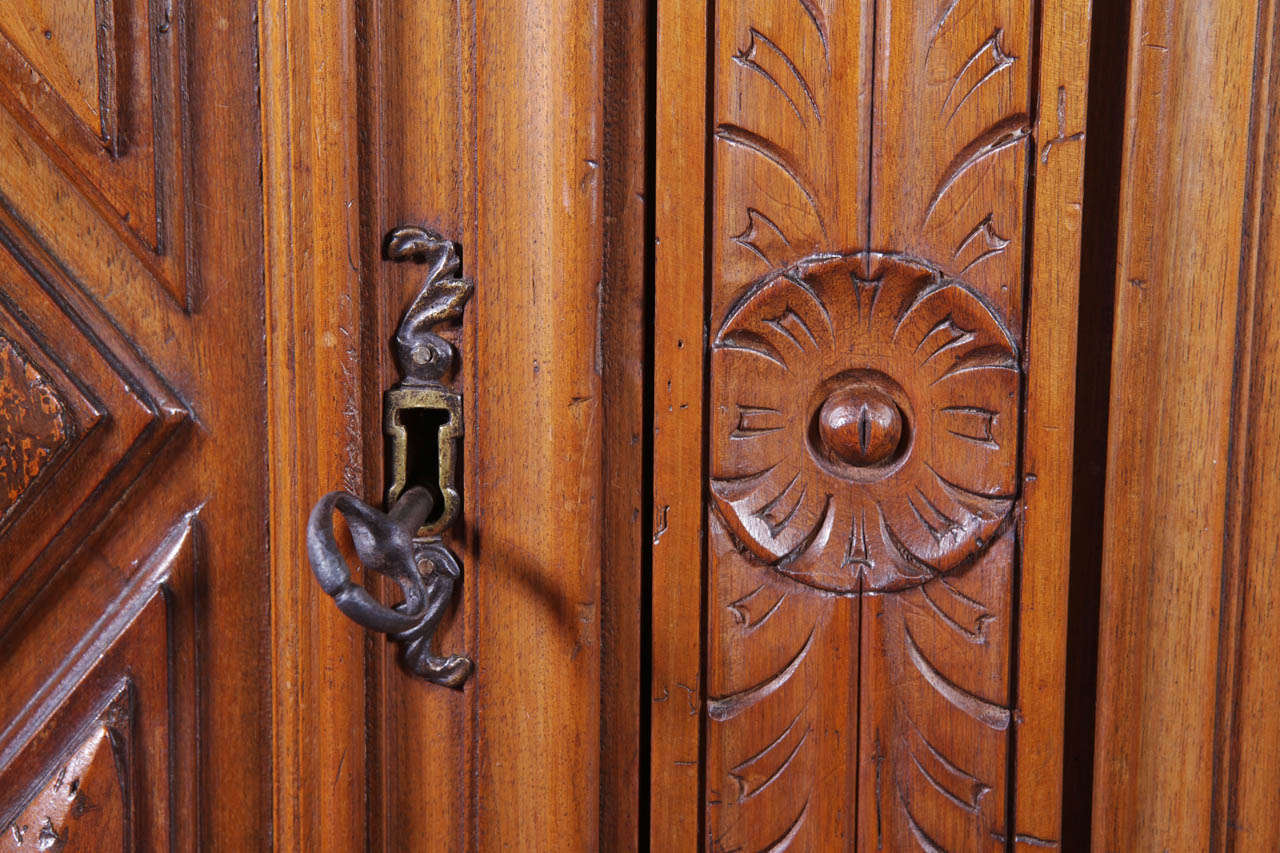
(825, 503)
(870, 212)
(675, 690)
(134, 600)
(313, 335)
(1187, 738)
(534, 168)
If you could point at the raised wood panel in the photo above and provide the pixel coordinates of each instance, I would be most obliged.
(69, 44)
(84, 801)
(97, 87)
(36, 424)
(100, 756)
(122, 415)
(105, 572)
(870, 185)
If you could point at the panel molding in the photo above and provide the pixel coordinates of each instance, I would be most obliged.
(125, 414)
(848, 146)
(128, 679)
(133, 168)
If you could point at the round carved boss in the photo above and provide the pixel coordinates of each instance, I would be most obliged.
(864, 420)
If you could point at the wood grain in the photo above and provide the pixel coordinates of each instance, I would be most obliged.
(414, 168)
(675, 690)
(98, 86)
(312, 311)
(421, 164)
(870, 216)
(1048, 454)
(1186, 746)
(1169, 575)
(85, 801)
(35, 424)
(1247, 746)
(535, 413)
(131, 275)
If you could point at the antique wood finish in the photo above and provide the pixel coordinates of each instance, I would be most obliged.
(675, 588)
(533, 167)
(313, 331)
(133, 543)
(1187, 739)
(878, 236)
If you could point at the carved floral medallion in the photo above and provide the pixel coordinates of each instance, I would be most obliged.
(864, 422)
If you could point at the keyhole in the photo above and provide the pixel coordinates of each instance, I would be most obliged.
(422, 453)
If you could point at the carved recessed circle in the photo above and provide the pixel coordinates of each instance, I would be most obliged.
(864, 420)
(860, 426)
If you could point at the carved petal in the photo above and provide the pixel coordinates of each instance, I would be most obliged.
(781, 320)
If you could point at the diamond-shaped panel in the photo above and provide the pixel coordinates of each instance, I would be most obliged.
(117, 413)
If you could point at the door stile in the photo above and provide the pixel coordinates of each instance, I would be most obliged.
(307, 76)
(675, 589)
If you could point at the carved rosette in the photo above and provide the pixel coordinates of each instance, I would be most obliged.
(864, 418)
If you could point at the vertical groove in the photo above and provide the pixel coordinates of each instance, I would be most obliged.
(1104, 145)
(708, 194)
(1238, 491)
(1028, 253)
(867, 248)
(647, 497)
(470, 600)
(871, 133)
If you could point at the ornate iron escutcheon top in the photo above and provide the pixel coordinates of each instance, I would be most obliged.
(405, 542)
(864, 422)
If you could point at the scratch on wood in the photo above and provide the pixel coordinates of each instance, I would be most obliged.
(661, 525)
(1062, 128)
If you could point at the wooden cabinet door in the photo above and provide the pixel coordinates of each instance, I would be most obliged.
(194, 318)
(855, 454)
(867, 229)
(133, 501)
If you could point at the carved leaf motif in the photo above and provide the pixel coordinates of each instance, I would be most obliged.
(796, 337)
